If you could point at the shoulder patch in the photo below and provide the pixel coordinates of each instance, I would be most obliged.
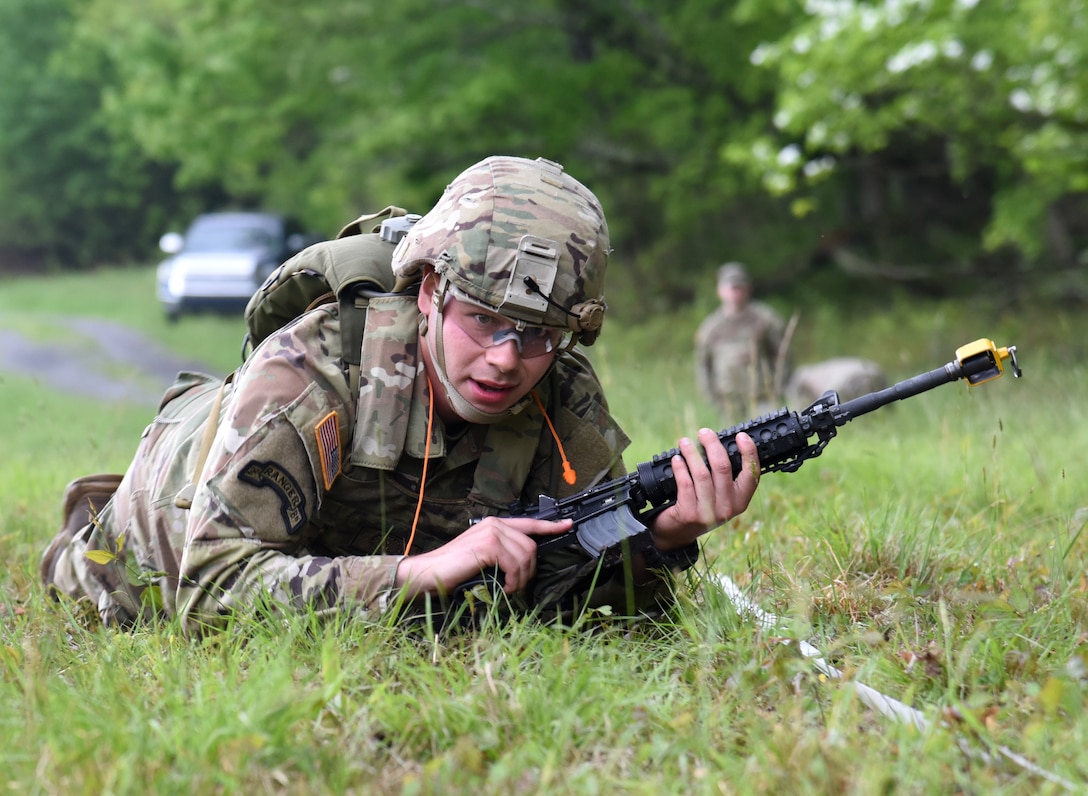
(328, 446)
(272, 475)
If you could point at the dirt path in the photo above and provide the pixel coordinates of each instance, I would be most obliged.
(102, 360)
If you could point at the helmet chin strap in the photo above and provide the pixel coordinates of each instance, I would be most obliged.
(433, 338)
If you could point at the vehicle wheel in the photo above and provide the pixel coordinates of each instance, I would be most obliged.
(173, 315)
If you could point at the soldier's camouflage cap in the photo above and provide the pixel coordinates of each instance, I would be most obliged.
(523, 237)
(733, 273)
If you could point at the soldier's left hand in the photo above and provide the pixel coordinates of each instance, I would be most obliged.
(707, 495)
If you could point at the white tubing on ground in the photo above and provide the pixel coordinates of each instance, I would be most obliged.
(881, 703)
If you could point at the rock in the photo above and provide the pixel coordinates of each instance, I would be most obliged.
(849, 376)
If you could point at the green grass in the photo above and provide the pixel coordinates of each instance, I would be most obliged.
(32, 306)
(936, 552)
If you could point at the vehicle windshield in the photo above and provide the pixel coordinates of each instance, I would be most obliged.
(235, 237)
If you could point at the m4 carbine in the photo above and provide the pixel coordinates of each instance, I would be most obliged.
(622, 509)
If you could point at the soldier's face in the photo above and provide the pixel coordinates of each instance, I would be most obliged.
(734, 295)
(493, 377)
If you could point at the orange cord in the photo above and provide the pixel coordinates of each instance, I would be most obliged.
(569, 475)
(426, 459)
(568, 472)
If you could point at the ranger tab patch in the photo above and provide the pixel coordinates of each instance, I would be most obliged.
(292, 501)
(328, 446)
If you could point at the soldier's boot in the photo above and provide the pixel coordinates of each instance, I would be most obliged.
(84, 498)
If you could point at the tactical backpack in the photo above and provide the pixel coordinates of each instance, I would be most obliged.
(354, 267)
(348, 273)
(351, 269)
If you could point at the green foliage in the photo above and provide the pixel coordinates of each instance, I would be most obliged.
(986, 95)
(75, 192)
(332, 109)
(933, 145)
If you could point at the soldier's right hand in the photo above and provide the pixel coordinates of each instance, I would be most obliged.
(505, 542)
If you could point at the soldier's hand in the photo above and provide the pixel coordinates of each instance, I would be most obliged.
(707, 495)
(505, 542)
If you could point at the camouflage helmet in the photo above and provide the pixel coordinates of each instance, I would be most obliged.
(522, 237)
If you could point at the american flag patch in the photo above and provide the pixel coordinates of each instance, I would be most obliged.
(328, 445)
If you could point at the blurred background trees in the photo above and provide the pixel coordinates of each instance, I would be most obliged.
(933, 146)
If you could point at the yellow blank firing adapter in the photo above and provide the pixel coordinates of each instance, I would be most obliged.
(983, 361)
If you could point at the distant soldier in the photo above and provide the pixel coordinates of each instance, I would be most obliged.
(737, 350)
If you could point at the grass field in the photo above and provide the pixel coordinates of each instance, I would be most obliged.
(935, 552)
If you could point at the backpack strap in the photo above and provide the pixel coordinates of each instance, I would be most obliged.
(387, 388)
(353, 307)
(356, 287)
(184, 499)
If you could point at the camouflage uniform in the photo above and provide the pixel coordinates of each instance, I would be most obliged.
(265, 522)
(307, 498)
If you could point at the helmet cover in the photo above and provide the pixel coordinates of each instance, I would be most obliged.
(521, 236)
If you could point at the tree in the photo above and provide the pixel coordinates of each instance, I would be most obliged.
(961, 122)
(334, 108)
(914, 139)
(74, 193)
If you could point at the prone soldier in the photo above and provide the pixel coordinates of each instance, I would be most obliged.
(287, 486)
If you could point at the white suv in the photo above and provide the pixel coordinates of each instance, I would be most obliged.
(223, 258)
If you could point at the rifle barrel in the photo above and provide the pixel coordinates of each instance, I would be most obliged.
(907, 388)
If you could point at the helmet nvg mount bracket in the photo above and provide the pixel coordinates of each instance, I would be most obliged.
(537, 259)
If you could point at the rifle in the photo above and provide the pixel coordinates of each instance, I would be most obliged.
(620, 510)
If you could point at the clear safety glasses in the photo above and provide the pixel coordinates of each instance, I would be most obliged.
(487, 328)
